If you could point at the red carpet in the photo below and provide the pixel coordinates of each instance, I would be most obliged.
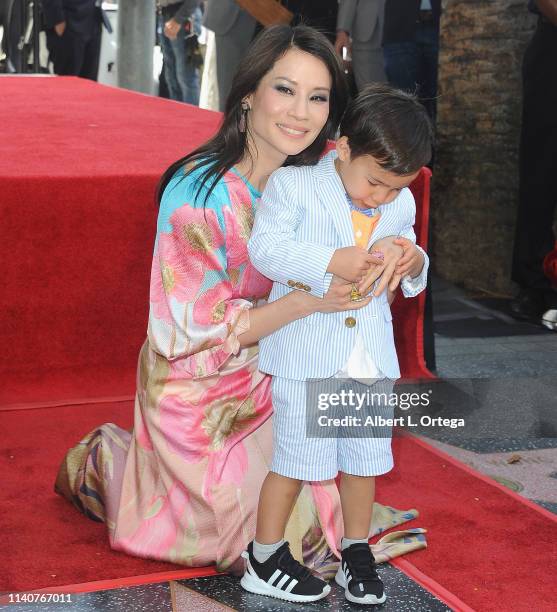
(77, 178)
(491, 548)
(485, 546)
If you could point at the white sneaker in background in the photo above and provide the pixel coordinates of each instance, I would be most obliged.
(549, 319)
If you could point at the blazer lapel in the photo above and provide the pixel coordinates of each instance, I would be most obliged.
(333, 197)
(378, 230)
(387, 224)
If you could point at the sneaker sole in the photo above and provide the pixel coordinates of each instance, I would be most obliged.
(260, 587)
(367, 600)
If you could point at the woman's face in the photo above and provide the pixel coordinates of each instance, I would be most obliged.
(289, 107)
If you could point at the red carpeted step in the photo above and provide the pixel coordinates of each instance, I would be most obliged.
(78, 225)
(68, 386)
(486, 546)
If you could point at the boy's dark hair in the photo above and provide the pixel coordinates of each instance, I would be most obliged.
(391, 126)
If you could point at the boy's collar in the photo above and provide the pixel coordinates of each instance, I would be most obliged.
(325, 169)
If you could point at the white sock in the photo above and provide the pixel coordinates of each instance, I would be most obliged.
(346, 542)
(262, 552)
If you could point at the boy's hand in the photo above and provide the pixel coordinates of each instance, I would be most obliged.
(412, 261)
(386, 271)
(352, 263)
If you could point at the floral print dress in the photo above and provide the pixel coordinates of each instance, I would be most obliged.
(183, 486)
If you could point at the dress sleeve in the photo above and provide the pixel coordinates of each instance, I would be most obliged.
(193, 319)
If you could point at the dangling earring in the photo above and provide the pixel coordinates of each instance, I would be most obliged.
(243, 118)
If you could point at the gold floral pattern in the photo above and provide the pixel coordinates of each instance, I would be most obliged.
(244, 215)
(234, 274)
(199, 237)
(218, 312)
(226, 417)
(168, 280)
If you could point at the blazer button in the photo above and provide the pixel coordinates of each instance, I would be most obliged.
(299, 286)
(307, 288)
(350, 322)
(291, 283)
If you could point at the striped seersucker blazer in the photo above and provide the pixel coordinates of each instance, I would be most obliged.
(303, 217)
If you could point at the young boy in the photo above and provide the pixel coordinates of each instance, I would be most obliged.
(304, 233)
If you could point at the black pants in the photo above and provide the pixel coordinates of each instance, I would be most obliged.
(538, 163)
(75, 54)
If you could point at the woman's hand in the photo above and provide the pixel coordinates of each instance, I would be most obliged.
(337, 299)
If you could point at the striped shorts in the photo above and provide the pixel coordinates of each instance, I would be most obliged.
(306, 448)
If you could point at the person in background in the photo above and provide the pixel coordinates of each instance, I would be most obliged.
(360, 28)
(181, 26)
(411, 48)
(10, 22)
(534, 238)
(234, 29)
(318, 14)
(73, 36)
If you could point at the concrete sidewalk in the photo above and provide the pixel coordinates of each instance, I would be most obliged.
(475, 338)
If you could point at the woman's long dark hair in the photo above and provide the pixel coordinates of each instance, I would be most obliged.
(229, 145)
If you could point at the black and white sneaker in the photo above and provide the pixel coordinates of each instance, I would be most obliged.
(281, 576)
(358, 576)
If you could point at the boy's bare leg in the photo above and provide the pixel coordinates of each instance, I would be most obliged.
(276, 500)
(357, 572)
(357, 494)
(268, 556)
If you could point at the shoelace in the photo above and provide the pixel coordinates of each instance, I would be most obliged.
(362, 567)
(287, 563)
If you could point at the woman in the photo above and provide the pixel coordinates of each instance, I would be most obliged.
(183, 486)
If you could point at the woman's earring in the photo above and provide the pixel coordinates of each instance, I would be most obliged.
(243, 118)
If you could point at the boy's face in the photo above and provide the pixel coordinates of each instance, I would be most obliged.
(367, 184)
